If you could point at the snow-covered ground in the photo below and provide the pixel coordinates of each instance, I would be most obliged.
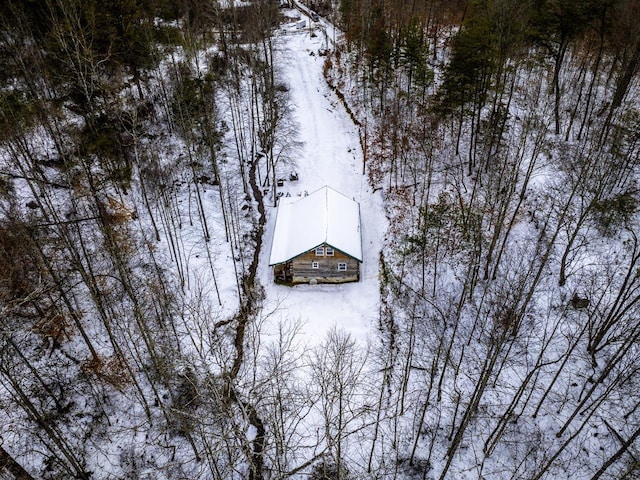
(331, 155)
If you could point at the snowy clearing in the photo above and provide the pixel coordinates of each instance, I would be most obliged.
(331, 156)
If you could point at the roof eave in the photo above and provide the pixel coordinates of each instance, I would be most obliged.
(312, 249)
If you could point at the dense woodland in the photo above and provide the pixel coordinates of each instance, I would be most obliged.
(504, 138)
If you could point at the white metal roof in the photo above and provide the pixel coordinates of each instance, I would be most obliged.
(324, 216)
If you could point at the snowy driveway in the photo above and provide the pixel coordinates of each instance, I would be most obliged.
(331, 155)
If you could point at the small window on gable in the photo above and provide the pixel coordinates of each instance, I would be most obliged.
(314, 265)
(328, 251)
(320, 252)
(342, 267)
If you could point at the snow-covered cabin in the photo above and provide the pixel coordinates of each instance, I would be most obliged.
(317, 239)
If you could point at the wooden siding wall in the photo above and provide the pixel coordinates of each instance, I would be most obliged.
(327, 271)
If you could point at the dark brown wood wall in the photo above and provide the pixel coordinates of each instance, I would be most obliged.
(327, 270)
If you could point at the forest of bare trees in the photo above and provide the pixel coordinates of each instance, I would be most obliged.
(140, 142)
(506, 141)
(112, 155)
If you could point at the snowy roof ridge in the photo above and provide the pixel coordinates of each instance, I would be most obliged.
(323, 216)
(326, 212)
